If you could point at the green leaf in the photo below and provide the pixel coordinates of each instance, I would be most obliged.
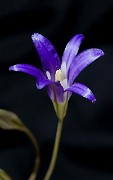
(4, 175)
(9, 120)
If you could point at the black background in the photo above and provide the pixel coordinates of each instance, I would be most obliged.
(86, 149)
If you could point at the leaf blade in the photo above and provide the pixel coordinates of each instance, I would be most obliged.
(9, 120)
(4, 175)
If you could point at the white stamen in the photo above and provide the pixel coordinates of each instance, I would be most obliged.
(58, 75)
(48, 75)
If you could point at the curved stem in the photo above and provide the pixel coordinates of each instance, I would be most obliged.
(37, 160)
(55, 151)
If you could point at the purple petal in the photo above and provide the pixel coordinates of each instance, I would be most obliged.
(33, 71)
(71, 50)
(83, 60)
(82, 90)
(59, 92)
(47, 53)
(56, 92)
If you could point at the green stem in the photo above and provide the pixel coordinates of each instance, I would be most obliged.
(55, 151)
(37, 160)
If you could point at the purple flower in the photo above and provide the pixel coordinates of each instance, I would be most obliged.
(58, 77)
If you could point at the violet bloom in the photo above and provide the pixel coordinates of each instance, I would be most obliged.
(58, 77)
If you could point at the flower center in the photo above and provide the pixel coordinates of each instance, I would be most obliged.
(60, 75)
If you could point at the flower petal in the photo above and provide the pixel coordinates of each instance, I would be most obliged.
(82, 90)
(47, 53)
(71, 50)
(42, 81)
(56, 92)
(83, 60)
(59, 92)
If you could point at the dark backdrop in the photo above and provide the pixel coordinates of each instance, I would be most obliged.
(86, 149)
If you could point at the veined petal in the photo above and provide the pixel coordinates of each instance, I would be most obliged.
(83, 60)
(56, 92)
(59, 92)
(42, 81)
(47, 53)
(82, 90)
(71, 50)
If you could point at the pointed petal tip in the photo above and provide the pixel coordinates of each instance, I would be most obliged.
(39, 86)
(90, 96)
(16, 67)
(98, 52)
(36, 37)
(81, 36)
(102, 52)
(12, 68)
(94, 100)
